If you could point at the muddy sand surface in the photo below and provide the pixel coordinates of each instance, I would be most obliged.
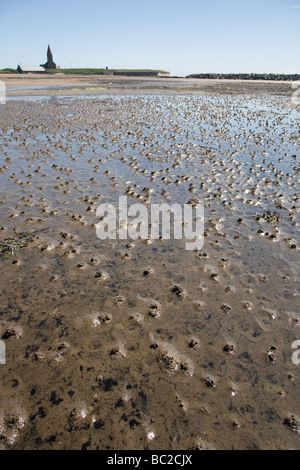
(137, 342)
(57, 84)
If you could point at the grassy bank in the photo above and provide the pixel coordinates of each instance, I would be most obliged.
(8, 71)
(88, 71)
(79, 71)
(106, 71)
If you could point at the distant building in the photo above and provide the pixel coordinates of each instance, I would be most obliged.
(164, 74)
(50, 64)
(142, 73)
(30, 69)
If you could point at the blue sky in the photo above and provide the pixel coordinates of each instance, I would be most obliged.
(180, 36)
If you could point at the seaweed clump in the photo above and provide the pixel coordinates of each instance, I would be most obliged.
(12, 245)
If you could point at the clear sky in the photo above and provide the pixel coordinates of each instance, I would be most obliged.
(179, 36)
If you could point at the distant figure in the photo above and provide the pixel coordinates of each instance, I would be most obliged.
(49, 64)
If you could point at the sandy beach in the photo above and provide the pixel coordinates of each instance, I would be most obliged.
(133, 344)
(99, 84)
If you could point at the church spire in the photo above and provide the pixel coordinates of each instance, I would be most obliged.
(50, 64)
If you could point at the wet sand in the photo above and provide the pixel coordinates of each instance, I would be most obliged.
(141, 344)
(57, 84)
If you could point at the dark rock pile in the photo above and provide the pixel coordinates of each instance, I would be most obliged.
(247, 76)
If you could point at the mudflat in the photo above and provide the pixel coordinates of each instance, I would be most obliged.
(137, 342)
(101, 84)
